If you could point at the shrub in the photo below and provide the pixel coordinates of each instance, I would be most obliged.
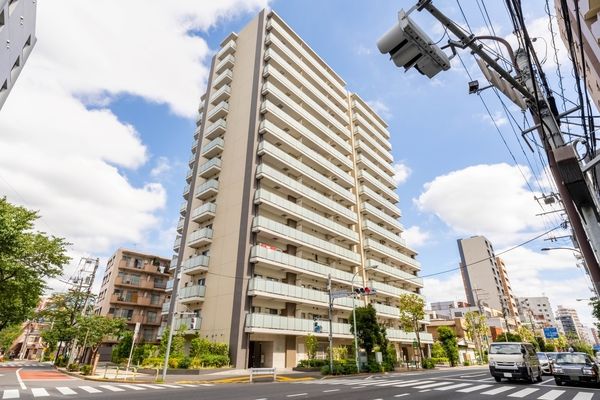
(466, 363)
(184, 363)
(341, 367)
(428, 363)
(174, 362)
(73, 367)
(86, 369)
(318, 363)
(374, 366)
(61, 361)
(440, 360)
(153, 362)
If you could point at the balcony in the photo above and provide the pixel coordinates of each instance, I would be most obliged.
(390, 290)
(363, 147)
(194, 145)
(367, 127)
(170, 284)
(301, 265)
(204, 212)
(281, 157)
(395, 273)
(261, 223)
(216, 129)
(224, 78)
(188, 323)
(188, 176)
(210, 168)
(195, 264)
(213, 148)
(386, 311)
(382, 150)
(192, 159)
(177, 244)
(200, 237)
(180, 225)
(183, 208)
(226, 63)
(266, 323)
(376, 171)
(227, 49)
(396, 335)
(165, 307)
(301, 190)
(372, 118)
(282, 291)
(375, 213)
(219, 111)
(387, 252)
(186, 191)
(383, 233)
(263, 196)
(173, 264)
(378, 186)
(191, 294)
(207, 189)
(278, 134)
(282, 119)
(381, 201)
(220, 95)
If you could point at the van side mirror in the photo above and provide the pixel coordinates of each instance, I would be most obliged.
(523, 351)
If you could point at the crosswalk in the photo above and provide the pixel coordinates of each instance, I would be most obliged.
(74, 391)
(487, 390)
(21, 364)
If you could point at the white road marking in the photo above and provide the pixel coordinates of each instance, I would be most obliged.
(65, 390)
(151, 386)
(11, 394)
(413, 383)
(205, 384)
(89, 389)
(112, 388)
(499, 390)
(296, 395)
(432, 385)
(472, 375)
(551, 395)
(39, 392)
(424, 390)
(171, 386)
(331, 390)
(189, 384)
(523, 393)
(583, 396)
(473, 388)
(19, 379)
(133, 387)
(401, 395)
(458, 385)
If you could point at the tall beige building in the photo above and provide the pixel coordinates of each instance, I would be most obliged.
(134, 288)
(290, 182)
(484, 276)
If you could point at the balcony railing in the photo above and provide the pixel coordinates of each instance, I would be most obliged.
(204, 212)
(263, 223)
(213, 148)
(389, 194)
(200, 237)
(219, 111)
(276, 323)
(165, 307)
(395, 273)
(224, 78)
(194, 264)
(207, 189)
(388, 180)
(194, 292)
(382, 201)
(210, 168)
(386, 251)
(227, 49)
(216, 129)
(304, 191)
(394, 291)
(188, 322)
(384, 233)
(377, 213)
(225, 63)
(221, 94)
(371, 119)
(396, 335)
(387, 311)
(261, 195)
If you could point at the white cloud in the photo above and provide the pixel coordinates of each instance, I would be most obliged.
(362, 50)
(415, 237)
(62, 151)
(491, 200)
(401, 173)
(380, 108)
(162, 167)
(444, 288)
(498, 118)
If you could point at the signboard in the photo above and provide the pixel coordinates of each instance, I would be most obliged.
(596, 347)
(551, 333)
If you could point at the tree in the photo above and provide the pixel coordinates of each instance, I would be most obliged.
(526, 335)
(412, 312)
(27, 260)
(8, 335)
(447, 338)
(312, 344)
(369, 332)
(508, 337)
(437, 350)
(595, 304)
(476, 329)
(93, 329)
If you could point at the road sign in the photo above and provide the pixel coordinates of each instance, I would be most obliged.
(596, 347)
(551, 333)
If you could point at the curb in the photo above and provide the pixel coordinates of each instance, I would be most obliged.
(98, 379)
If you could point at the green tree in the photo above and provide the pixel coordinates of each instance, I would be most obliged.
(508, 337)
(91, 330)
(476, 329)
(312, 343)
(526, 334)
(595, 304)
(412, 312)
(369, 331)
(8, 335)
(447, 337)
(27, 259)
(437, 350)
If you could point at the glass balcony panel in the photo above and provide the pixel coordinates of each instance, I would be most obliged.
(200, 237)
(225, 63)
(194, 264)
(384, 233)
(207, 189)
(279, 323)
(227, 49)
(224, 78)
(192, 293)
(386, 251)
(220, 95)
(395, 273)
(376, 171)
(259, 285)
(210, 168)
(371, 119)
(204, 212)
(213, 148)
(388, 193)
(395, 225)
(219, 111)
(216, 129)
(380, 200)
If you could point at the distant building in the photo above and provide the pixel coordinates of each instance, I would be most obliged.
(134, 288)
(29, 344)
(571, 324)
(466, 347)
(484, 276)
(536, 312)
(495, 318)
(17, 34)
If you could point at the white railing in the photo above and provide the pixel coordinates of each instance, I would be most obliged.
(218, 142)
(224, 63)
(395, 273)
(373, 227)
(203, 209)
(389, 180)
(200, 234)
(191, 291)
(383, 150)
(195, 262)
(210, 184)
(371, 119)
(212, 163)
(389, 252)
(295, 292)
(223, 91)
(221, 124)
(279, 323)
(409, 337)
(222, 106)
(227, 48)
(381, 215)
(391, 195)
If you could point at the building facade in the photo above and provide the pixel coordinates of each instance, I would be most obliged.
(484, 276)
(134, 288)
(17, 32)
(570, 322)
(290, 184)
(536, 312)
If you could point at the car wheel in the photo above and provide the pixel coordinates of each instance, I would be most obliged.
(497, 379)
(558, 382)
(531, 377)
(539, 377)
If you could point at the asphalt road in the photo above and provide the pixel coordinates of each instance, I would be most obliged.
(468, 384)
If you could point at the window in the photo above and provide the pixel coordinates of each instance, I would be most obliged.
(154, 298)
(151, 316)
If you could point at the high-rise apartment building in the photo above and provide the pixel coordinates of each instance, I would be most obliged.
(134, 288)
(588, 60)
(571, 323)
(290, 183)
(536, 312)
(484, 276)
(17, 32)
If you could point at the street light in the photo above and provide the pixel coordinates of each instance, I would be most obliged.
(561, 248)
(354, 315)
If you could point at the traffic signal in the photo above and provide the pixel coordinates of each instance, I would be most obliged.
(409, 46)
(364, 291)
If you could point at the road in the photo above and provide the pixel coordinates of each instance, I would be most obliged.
(467, 384)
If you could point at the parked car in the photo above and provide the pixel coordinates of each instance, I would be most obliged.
(545, 363)
(552, 356)
(514, 360)
(575, 368)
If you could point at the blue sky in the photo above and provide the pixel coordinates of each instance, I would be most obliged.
(107, 153)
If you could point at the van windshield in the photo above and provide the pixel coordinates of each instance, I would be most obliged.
(505, 349)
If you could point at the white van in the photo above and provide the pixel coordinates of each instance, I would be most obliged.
(514, 360)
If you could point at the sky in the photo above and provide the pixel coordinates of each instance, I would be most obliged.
(98, 129)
